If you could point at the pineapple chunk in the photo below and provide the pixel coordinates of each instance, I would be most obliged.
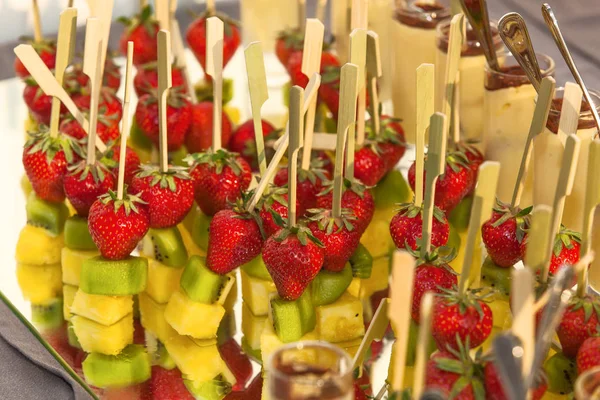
(197, 320)
(341, 321)
(71, 264)
(197, 360)
(377, 238)
(39, 284)
(153, 318)
(256, 293)
(378, 280)
(97, 338)
(231, 298)
(105, 310)
(270, 342)
(501, 313)
(355, 287)
(36, 247)
(252, 327)
(265, 389)
(162, 281)
(190, 245)
(68, 297)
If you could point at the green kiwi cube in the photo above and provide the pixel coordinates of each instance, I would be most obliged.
(561, 372)
(307, 312)
(199, 282)
(361, 262)
(166, 246)
(292, 319)
(47, 316)
(328, 286)
(257, 268)
(391, 190)
(139, 138)
(77, 234)
(72, 337)
(200, 230)
(214, 389)
(460, 216)
(496, 277)
(114, 277)
(130, 367)
(45, 214)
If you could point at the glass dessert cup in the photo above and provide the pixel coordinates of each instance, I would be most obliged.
(310, 370)
(587, 385)
(380, 20)
(509, 102)
(413, 33)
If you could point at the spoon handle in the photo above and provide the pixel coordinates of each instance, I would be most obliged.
(477, 14)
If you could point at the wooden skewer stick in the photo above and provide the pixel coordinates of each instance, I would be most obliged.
(257, 85)
(401, 288)
(376, 331)
(214, 68)
(347, 114)
(211, 7)
(538, 123)
(143, 4)
(523, 326)
(425, 96)
(70, 3)
(455, 41)
(426, 309)
(538, 245)
(311, 63)
(161, 13)
(164, 84)
(103, 11)
(481, 210)
(374, 72)
(66, 36)
(435, 166)
(301, 13)
(358, 55)
(359, 18)
(569, 114)
(592, 199)
(296, 121)
(340, 26)
(37, 25)
(92, 61)
(321, 6)
(126, 120)
(180, 61)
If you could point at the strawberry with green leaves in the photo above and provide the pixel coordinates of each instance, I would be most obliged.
(274, 210)
(146, 79)
(142, 30)
(169, 195)
(406, 227)
(475, 158)
(579, 322)
(219, 179)
(199, 137)
(588, 355)
(288, 41)
(85, 183)
(356, 197)
(38, 103)
(106, 130)
(116, 226)
(309, 183)
(505, 234)
(243, 141)
(45, 49)
(110, 107)
(369, 166)
(566, 249)
(329, 61)
(390, 143)
(132, 162)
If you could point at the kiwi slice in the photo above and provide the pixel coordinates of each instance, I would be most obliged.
(214, 389)
(72, 337)
(391, 190)
(459, 217)
(257, 268)
(130, 367)
(453, 238)
(200, 283)
(176, 157)
(114, 277)
(47, 316)
(561, 372)
(496, 277)
(292, 319)
(47, 215)
(165, 246)
(162, 356)
(138, 138)
(361, 262)
(77, 234)
(200, 230)
(328, 286)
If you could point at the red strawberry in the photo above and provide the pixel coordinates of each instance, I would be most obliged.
(588, 355)
(494, 389)
(288, 41)
(167, 384)
(390, 144)
(454, 185)
(39, 105)
(199, 138)
(406, 227)
(252, 392)
(433, 273)
(460, 316)
(337, 235)
(357, 198)
(504, 235)
(112, 73)
(369, 167)
(47, 52)
(274, 210)
(566, 249)
(116, 225)
(329, 91)
(237, 362)
(106, 131)
(293, 257)
(219, 179)
(146, 79)
(196, 38)
(309, 183)
(579, 322)
(109, 108)
(242, 141)
(45, 160)
(132, 163)
(475, 158)
(170, 195)
(142, 31)
(294, 67)
(85, 183)
(234, 239)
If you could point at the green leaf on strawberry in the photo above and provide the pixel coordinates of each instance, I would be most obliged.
(164, 179)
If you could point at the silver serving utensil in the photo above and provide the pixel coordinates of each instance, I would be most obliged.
(564, 51)
(514, 33)
(508, 360)
(477, 13)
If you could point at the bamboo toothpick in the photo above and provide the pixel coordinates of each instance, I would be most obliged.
(214, 68)
(102, 9)
(340, 26)
(425, 96)
(569, 113)
(359, 18)
(435, 165)
(538, 123)
(126, 120)
(358, 54)
(66, 36)
(321, 6)
(346, 118)
(426, 309)
(374, 72)
(257, 85)
(161, 13)
(37, 25)
(401, 288)
(375, 331)
(522, 301)
(296, 121)
(211, 7)
(179, 51)
(92, 61)
(164, 84)
(538, 240)
(592, 199)
(455, 41)
(311, 63)
(301, 13)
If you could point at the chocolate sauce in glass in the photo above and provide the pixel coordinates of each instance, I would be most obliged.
(422, 15)
(585, 120)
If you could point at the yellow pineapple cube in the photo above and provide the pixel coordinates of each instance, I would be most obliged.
(162, 281)
(270, 342)
(342, 320)
(152, 317)
(379, 278)
(105, 310)
(252, 327)
(198, 361)
(190, 245)
(197, 320)
(501, 314)
(98, 338)
(71, 264)
(36, 247)
(256, 293)
(68, 297)
(377, 238)
(355, 287)
(39, 284)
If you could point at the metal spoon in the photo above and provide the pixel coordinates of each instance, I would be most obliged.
(509, 366)
(477, 14)
(514, 33)
(562, 46)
